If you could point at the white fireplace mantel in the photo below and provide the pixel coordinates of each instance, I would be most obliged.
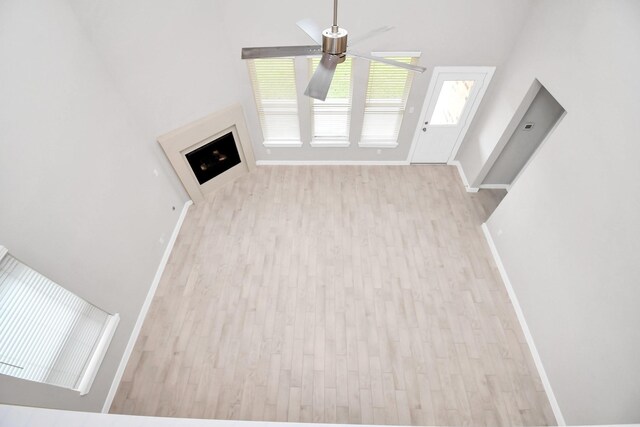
(177, 143)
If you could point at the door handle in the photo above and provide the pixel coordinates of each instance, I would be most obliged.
(424, 129)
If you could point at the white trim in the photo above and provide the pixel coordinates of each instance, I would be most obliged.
(329, 144)
(145, 308)
(412, 54)
(282, 144)
(3, 252)
(98, 354)
(495, 186)
(177, 143)
(378, 144)
(525, 329)
(463, 177)
(332, 163)
(42, 417)
(488, 72)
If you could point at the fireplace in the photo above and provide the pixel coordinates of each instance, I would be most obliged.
(210, 152)
(214, 158)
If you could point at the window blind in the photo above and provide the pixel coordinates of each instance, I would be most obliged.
(47, 334)
(387, 93)
(274, 89)
(331, 118)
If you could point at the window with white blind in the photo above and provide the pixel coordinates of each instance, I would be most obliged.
(331, 118)
(274, 89)
(48, 334)
(387, 92)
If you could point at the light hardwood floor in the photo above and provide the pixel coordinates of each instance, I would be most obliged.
(335, 294)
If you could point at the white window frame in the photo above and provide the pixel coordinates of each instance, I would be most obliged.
(382, 143)
(41, 320)
(263, 112)
(331, 142)
(360, 74)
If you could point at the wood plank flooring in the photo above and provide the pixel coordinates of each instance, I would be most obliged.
(348, 294)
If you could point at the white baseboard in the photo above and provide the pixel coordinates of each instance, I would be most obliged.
(465, 181)
(145, 308)
(525, 329)
(378, 144)
(495, 186)
(331, 163)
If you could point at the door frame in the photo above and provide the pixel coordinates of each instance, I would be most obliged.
(488, 75)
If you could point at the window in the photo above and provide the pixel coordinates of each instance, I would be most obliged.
(331, 118)
(48, 334)
(387, 93)
(451, 101)
(380, 101)
(274, 89)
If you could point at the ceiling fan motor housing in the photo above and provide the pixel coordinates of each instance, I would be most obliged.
(334, 41)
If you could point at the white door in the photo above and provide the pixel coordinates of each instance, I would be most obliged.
(452, 100)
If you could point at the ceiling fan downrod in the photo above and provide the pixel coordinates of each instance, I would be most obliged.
(334, 39)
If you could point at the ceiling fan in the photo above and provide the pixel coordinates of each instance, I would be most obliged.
(332, 45)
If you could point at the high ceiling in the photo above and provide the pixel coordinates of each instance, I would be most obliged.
(176, 61)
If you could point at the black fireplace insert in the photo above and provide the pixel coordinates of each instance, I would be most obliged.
(214, 158)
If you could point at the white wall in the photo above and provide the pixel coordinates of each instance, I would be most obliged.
(568, 231)
(176, 61)
(168, 58)
(16, 416)
(543, 113)
(458, 32)
(80, 202)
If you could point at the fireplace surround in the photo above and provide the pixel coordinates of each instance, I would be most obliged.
(210, 152)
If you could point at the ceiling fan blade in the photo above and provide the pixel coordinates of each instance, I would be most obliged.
(279, 51)
(312, 29)
(372, 33)
(416, 68)
(321, 80)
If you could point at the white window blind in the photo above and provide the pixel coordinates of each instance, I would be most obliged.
(48, 334)
(387, 93)
(331, 118)
(274, 89)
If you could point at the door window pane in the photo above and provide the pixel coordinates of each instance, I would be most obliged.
(451, 102)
